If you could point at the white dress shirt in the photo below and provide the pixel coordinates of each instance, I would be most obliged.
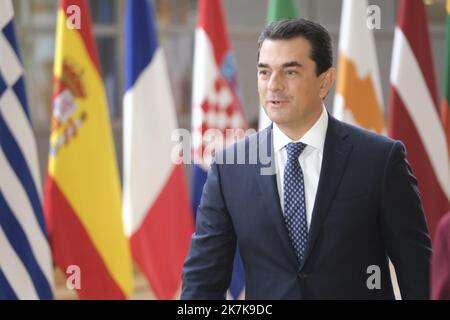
(310, 159)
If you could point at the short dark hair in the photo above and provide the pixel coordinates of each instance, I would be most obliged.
(318, 37)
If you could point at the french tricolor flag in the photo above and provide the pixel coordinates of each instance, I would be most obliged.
(156, 210)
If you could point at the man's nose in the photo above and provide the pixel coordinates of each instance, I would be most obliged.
(275, 82)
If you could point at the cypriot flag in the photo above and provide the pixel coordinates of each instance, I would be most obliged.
(358, 98)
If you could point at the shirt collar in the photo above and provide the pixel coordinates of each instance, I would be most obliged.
(314, 137)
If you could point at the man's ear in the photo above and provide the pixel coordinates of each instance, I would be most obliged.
(327, 81)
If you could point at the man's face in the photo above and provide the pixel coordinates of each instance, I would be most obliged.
(289, 89)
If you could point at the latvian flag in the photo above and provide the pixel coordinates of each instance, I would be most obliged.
(414, 116)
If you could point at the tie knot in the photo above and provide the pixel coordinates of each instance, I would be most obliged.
(294, 149)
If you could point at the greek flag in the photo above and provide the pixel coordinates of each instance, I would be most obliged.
(25, 257)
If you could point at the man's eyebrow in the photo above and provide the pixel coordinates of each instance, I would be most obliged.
(292, 64)
(284, 65)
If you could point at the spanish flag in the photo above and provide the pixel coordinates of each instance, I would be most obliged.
(82, 193)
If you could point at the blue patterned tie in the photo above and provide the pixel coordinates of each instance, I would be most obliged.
(294, 199)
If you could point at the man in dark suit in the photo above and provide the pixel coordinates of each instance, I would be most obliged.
(338, 203)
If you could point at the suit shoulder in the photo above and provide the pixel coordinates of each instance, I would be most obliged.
(370, 145)
(368, 138)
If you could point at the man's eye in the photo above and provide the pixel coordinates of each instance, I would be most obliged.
(291, 72)
(263, 72)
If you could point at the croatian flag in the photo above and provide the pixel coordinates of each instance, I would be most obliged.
(156, 211)
(215, 101)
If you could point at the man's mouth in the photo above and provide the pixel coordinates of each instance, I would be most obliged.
(276, 102)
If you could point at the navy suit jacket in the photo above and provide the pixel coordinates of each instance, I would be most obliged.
(367, 209)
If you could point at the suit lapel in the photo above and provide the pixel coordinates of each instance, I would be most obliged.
(335, 156)
(267, 185)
